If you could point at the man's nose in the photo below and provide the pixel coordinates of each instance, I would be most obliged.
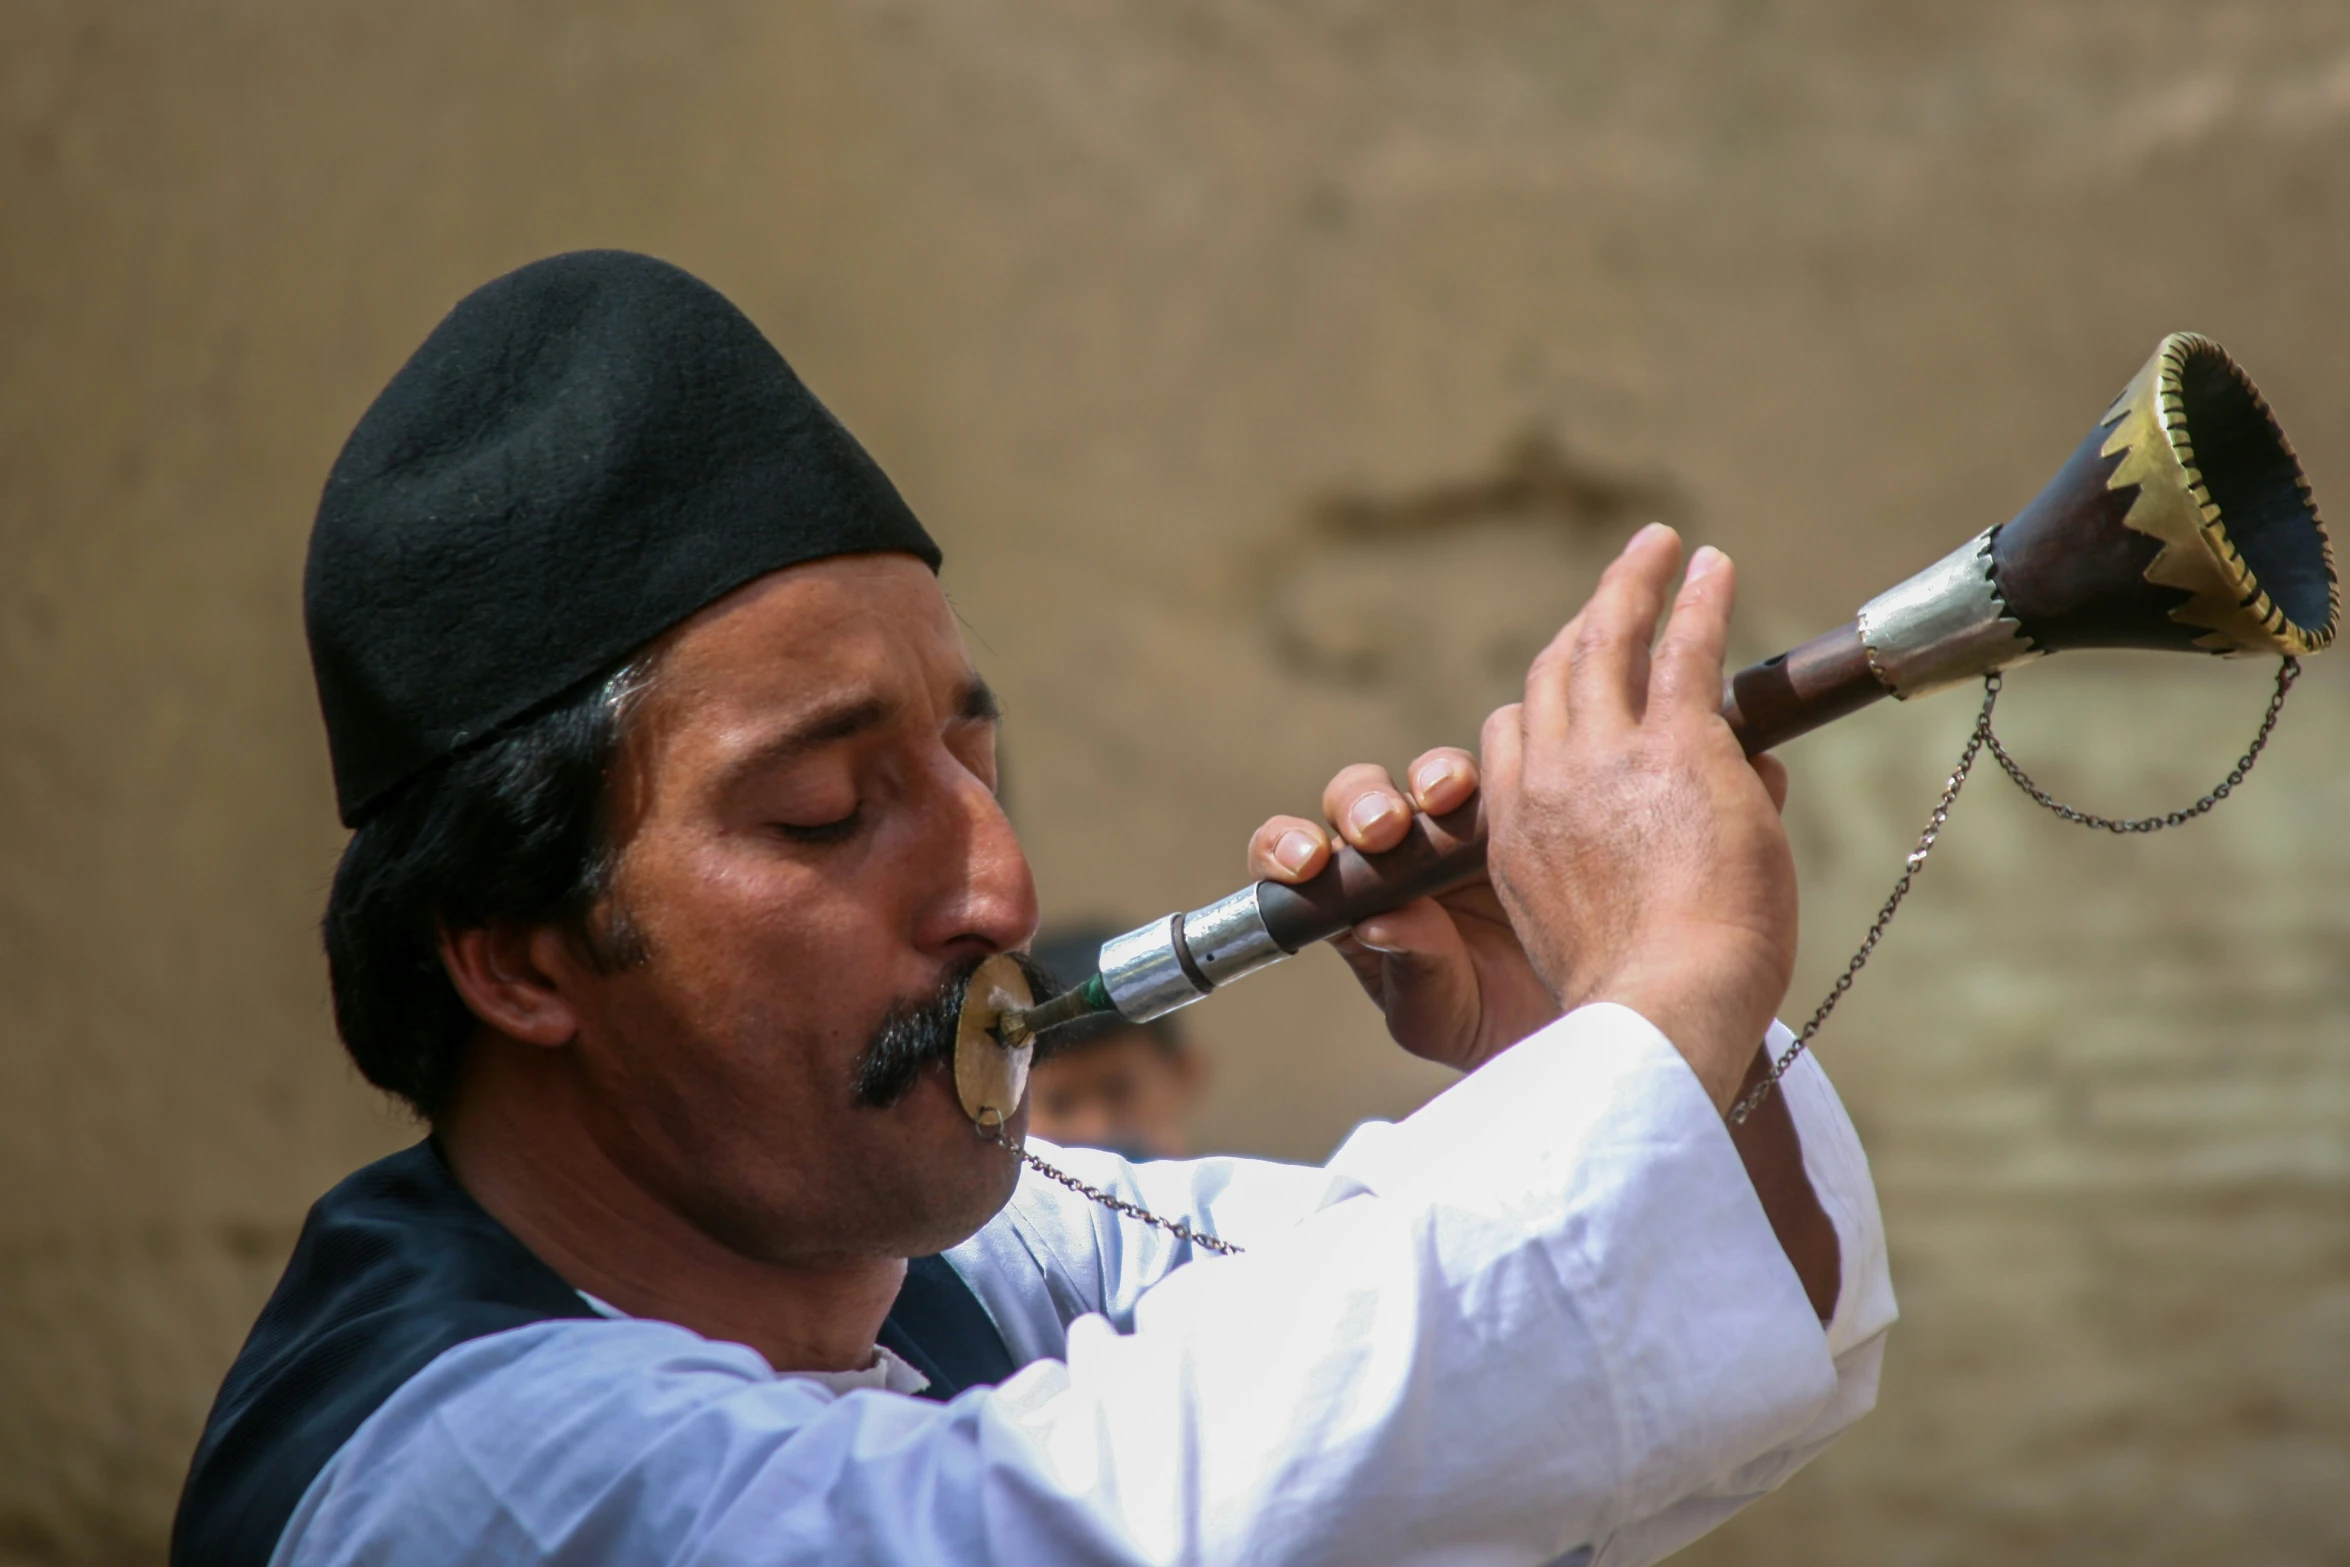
(986, 898)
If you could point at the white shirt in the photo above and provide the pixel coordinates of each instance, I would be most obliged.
(1541, 1320)
(888, 1372)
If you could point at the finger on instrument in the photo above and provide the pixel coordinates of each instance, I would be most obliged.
(1442, 779)
(1607, 676)
(1369, 967)
(1419, 928)
(1595, 671)
(1288, 848)
(1421, 971)
(1476, 902)
(1365, 806)
(1687, 679)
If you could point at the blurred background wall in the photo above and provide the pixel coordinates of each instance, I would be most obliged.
(1276, 375)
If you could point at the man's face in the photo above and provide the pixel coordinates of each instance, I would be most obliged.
(806, 799)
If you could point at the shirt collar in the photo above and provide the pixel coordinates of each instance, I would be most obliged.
(888, 1372)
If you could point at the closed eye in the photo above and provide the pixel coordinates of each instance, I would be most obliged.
(838, 830)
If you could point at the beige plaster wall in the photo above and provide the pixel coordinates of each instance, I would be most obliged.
(1275, 374)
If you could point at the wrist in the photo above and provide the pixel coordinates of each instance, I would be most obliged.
(1716, 1028)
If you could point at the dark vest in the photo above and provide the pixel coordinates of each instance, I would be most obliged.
(394, 1267)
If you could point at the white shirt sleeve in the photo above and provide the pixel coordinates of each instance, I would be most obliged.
(1541, 1318)
(1053, 1256)
(1865, 1312)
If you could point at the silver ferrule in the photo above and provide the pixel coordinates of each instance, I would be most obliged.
(1228, 938)
(1144, 973)
(1944, 625)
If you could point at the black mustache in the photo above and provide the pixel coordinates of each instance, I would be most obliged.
(918, 1033)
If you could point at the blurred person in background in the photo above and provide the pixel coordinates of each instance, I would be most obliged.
(1108, 1083)
(675, 842)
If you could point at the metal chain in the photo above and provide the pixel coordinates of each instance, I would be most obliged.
(1117, 1204)
(2288, 671)
(1868, 944)
(1174, 1227)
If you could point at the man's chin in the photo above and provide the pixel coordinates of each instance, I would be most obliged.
(968, 1175)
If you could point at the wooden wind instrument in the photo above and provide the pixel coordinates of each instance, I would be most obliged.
(2182, 522)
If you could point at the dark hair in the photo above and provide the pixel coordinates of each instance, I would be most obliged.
(510, 829)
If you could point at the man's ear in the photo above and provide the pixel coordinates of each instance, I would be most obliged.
(510, 976)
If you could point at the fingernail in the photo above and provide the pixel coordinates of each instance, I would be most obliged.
(1705, 562)
(1434, 774)
(1295, 851)
(1369, 811)
(1647, 530)
(1372, 934)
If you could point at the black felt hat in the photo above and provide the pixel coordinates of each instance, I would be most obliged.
(583, 454)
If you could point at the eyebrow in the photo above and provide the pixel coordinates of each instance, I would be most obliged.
(978, 703)
(832, 723)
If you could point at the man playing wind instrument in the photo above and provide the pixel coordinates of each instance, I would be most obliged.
(672, 788)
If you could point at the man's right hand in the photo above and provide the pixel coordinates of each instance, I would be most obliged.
(1638, 851)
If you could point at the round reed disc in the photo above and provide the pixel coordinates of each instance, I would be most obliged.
(989, 1078)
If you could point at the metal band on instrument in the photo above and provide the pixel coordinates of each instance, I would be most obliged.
(1146, 972)
(1172, 962)
(1943, 626)
(1228, 937)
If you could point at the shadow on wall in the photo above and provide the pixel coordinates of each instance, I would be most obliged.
(1366, 591)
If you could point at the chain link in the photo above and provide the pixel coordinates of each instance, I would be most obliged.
(2288, 671)
(1116, 1204)
(1868, 944)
